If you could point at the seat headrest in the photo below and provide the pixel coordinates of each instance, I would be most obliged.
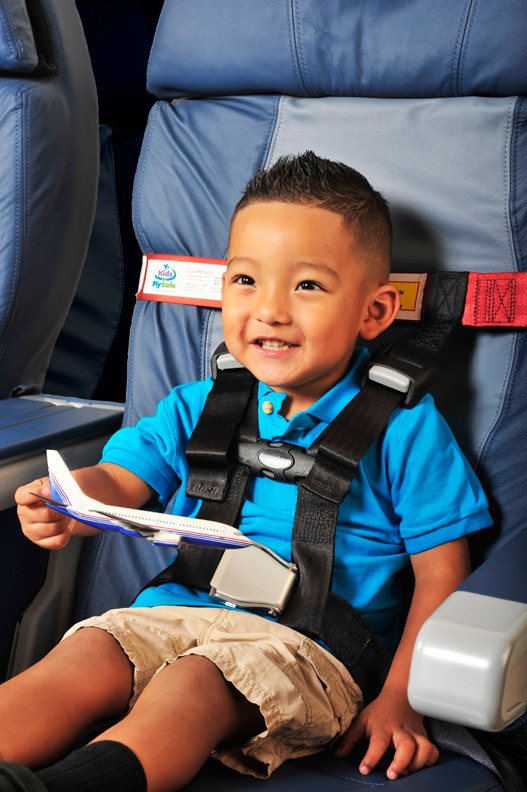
(378, 48)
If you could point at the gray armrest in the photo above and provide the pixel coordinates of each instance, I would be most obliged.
(469, 664)
(28, 426)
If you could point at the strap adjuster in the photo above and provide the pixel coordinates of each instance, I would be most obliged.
(221, 360)
(399, 375)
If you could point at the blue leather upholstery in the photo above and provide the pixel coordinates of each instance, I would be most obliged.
(27, 427)
(18, 52)
(503, 574)
(48, 181)
(322, 771)
(89, 358)
(384, 48)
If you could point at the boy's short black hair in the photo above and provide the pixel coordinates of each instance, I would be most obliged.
(307, 179)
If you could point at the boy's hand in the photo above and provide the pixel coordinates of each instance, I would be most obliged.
(43, 525)
(389, 721)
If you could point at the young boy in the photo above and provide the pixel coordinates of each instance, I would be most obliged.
(309, 259)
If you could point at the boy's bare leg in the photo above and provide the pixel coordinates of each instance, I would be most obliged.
(180, 717)
(85, 679)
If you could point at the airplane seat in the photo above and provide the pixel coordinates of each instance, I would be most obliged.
(426, 100)
(48, 186)
(89, 357)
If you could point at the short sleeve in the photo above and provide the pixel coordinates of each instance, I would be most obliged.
(435, 493)
(154, 449)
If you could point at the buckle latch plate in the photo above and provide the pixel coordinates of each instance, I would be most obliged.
(254, 578)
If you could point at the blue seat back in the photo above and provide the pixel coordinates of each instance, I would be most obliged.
(48, 181)
(89, 357)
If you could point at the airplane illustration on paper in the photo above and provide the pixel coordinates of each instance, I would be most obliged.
(160, 529)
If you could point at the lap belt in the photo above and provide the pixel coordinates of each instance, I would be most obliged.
(397, 376)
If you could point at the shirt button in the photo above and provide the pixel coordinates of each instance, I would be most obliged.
(267, 407)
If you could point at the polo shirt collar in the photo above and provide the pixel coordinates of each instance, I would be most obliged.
(324, 410)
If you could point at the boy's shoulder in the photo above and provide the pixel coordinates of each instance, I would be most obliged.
(422, 425)
(190, 394)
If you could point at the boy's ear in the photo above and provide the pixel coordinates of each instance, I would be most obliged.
(382, 308)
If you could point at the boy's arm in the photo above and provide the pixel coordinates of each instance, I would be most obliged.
(389, 720)
(108, 483)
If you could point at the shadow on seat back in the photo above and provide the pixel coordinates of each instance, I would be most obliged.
(425, 100)
(48, 186)
(89, 357)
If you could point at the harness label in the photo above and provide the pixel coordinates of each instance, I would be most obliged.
(181, 279)
(412, 286)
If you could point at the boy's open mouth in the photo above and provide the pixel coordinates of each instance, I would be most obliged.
(266, 343)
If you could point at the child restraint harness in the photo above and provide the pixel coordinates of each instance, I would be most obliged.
(221, 463)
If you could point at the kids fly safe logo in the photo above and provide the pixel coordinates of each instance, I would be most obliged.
(164, 279)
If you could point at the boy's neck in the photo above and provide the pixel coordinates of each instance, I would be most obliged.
(301, 399)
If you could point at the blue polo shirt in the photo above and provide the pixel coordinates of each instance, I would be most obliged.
(413, 490)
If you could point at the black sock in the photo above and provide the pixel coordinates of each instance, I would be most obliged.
(16, 778)
(104, 766)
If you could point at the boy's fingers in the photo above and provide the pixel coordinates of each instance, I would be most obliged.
(379, 743)
(349, 739)
(412, 752)
(56, 542)
(426, 755)
(25, 495)
(38, 512)
(49, 535)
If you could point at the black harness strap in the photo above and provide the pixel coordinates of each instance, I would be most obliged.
(194, 566)
(445, 303)
(209, 451)
(340, 448)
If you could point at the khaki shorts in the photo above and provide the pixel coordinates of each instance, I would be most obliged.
(306, 696)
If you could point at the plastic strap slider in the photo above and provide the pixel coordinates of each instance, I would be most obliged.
(399, 375)
(222, 360)
(392, 379)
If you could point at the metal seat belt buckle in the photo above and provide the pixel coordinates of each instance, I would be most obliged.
(399, 375)
(253, 578)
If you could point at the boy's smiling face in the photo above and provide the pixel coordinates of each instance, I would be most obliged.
(295, 298)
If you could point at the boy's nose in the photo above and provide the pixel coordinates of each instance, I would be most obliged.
(272, 308)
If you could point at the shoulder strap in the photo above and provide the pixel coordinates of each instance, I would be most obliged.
(230, 415)
(210, 448)
(340, 449)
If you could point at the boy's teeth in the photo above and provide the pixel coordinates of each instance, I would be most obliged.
(266, 344)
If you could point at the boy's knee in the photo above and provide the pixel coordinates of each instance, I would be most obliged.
(95, 655)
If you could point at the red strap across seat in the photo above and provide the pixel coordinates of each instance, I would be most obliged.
(496, 300)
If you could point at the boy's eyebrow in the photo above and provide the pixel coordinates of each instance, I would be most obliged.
(319, 267)
(240, 260)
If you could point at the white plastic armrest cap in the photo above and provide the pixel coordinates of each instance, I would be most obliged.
(469, 663)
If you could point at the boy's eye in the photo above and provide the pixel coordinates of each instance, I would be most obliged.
(244, 280)
(308, 285)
